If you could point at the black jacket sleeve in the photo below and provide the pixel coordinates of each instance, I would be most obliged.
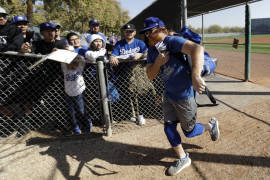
(12, 38)
(16, 41)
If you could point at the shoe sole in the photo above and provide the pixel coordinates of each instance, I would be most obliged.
(217, 127)
(186, 165)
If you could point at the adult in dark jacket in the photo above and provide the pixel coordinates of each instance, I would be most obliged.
(11, 38)
(45, 74)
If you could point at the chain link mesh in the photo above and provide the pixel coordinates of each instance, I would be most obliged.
(138, 95)
(34, 100)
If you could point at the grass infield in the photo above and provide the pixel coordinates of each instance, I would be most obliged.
(262, 48)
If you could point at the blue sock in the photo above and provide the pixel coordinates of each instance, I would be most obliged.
(197, 130)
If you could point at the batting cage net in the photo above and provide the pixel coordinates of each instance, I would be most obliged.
(35, 100)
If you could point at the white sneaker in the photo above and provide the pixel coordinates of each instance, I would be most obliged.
(133, 119)
(141, 121)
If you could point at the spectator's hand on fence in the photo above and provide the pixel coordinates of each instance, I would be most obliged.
(158, 100)
(137, 56)
(26, 47)
(198, 83)
(114, 61)
(162, 58)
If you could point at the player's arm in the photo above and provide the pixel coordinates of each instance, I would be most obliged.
(197, 57)
(152, 70)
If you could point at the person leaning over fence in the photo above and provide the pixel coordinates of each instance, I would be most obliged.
(96, 48)
(46, 73)
(93, 29)
(128, 48)
(49, 43)
(21, 22)
(74, 41)
(179, 105)
(11, 38)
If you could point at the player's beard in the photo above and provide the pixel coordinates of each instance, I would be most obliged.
(157, 37)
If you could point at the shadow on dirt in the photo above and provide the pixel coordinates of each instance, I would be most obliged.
(88, 147)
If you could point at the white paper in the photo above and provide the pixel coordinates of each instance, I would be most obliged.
(61, 55)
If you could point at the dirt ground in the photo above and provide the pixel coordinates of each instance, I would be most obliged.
(232, 64)
(143, 153)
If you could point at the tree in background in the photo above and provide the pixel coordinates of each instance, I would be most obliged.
(214, 29)
(218, 29)
(72, 14)
(14, 7)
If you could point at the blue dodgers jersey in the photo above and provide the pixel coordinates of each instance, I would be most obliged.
(123, 48)
(81, 51)
(175, 74)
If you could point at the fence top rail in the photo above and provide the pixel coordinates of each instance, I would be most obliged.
(131, 60)
(40, 56)
(23, 54)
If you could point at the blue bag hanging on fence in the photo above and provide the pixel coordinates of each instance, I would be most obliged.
(112, 93)
(209, 63)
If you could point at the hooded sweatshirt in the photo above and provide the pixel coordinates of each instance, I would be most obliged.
(92, 55)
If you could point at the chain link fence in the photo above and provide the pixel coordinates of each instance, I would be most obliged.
(34, 100)
(138, 95)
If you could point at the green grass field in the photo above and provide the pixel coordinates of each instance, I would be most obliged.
(262, 48)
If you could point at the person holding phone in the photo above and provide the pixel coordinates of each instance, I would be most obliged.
(21, 22)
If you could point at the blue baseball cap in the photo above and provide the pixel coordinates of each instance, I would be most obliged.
(93, 22)
(46, 25)
(150, 23)
(16, 19)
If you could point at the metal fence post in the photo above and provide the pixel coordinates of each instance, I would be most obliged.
(184, 12)
(203, 30)
(247, 43)
(104, 98)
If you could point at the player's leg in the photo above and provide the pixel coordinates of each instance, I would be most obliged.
(187, 114)
(170, 129)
